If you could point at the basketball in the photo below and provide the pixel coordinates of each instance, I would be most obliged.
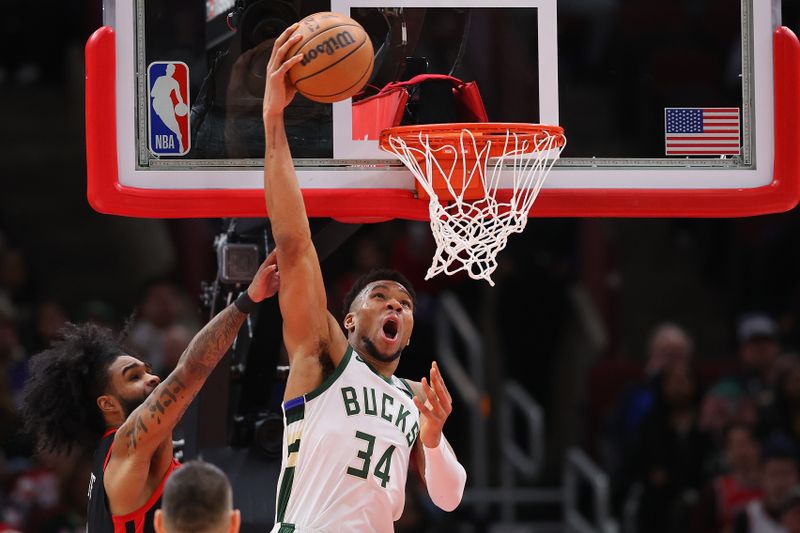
(337, 57)
(181, 109)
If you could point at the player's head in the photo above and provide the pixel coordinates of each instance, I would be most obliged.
(81, 386)
(197, 499)
(379, 314)
(170, 69)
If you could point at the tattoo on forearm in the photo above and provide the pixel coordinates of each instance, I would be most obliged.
(158, 406)
(155, 407)
(168, 403)
(208, 346)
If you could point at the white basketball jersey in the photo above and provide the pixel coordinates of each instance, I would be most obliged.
(346, 450)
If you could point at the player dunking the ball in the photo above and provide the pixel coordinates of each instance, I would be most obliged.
(351, 424)
(85, 391)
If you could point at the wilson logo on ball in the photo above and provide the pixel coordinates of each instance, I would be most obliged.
(328, 47)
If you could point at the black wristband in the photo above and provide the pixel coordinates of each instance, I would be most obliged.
(245, 304)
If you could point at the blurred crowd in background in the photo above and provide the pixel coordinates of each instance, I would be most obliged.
(709, 448)
(693, 438)
(41, 492)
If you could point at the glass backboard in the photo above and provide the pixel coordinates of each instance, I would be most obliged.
(670, 109)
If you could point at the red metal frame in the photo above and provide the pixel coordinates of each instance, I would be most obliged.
(107, 195)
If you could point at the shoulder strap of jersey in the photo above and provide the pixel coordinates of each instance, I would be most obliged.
(108, 436)
(408, 390)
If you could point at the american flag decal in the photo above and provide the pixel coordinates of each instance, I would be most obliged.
(702, 131)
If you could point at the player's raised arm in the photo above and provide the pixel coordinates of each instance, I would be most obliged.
(153, 421)
(308, 328)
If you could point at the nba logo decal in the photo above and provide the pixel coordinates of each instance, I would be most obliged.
(168, 102)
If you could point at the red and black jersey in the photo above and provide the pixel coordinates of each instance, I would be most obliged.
(100, 519)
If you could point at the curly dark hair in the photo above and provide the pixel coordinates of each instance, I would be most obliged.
(375, 275)
(60, 395)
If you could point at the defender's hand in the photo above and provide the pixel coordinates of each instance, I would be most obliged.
(279, 91)
(267, 280)
(434, 411)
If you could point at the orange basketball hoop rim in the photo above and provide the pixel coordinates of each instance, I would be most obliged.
(470, 146)
(460, 168)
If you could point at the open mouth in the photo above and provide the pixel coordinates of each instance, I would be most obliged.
(390, 329)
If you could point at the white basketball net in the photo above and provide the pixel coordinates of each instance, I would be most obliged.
(470, 233)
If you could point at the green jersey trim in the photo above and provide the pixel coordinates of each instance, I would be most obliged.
(384, 378)
(284, 492)
(408, 386)
(409, 392)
